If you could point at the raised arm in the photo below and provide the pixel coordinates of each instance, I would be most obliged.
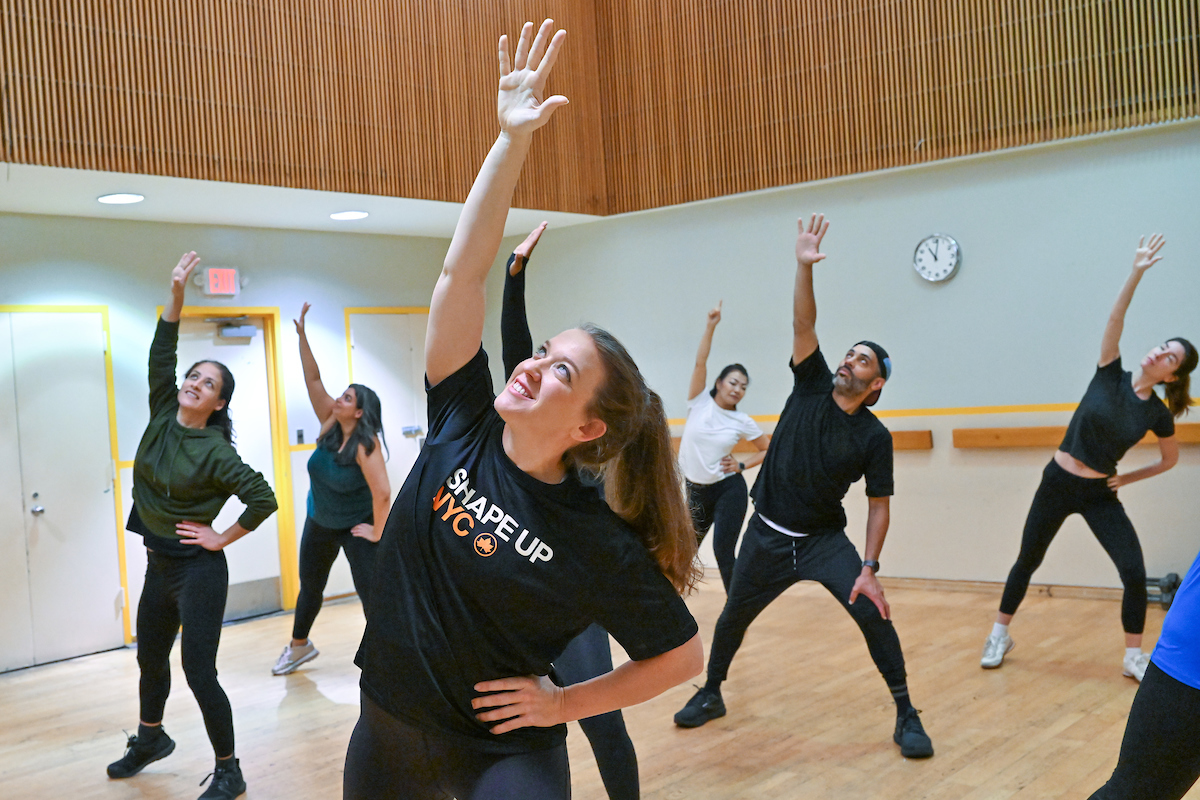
(1145, 258)
(322, 403)
(700, 370)
(804, 304)
(456, 311)
(179, 278)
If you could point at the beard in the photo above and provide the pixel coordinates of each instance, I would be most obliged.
(849, 385)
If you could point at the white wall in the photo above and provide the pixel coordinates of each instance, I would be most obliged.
(1048, 236)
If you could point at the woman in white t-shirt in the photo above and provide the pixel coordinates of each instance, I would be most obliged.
(716, 489)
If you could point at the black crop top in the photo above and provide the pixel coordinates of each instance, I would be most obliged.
(1111, 418)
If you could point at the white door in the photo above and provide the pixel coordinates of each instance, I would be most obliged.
(254, 581)
(73, 591)
(16, 623)
(388, 355)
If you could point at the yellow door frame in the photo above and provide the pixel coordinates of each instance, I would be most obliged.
(285, 518)
(372, 310)
(112, 431)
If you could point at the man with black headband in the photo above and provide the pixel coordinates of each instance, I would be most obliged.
(826, 439)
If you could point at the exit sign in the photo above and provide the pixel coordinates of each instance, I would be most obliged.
(221, 281)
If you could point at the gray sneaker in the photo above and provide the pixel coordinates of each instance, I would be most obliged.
(994, 651)
(292, 657)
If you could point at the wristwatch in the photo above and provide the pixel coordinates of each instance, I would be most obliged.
(874, 565)
(741, 467)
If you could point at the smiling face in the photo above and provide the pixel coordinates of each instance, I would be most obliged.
(201, 389)
(858, 373)
(551, 392)
(345, 407)
(731, 389)
(1162, 362)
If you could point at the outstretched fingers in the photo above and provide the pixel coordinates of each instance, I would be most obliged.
(521, 59)
(505, 65)
(546, 64)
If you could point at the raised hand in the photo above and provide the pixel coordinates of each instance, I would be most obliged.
(299, 323)
(808, 241)
(1147, 253)
(714, 316)
(520, 106)
(183, 271)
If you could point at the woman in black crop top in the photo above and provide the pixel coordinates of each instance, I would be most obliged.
(496, 553)
(1117, 410)
(348, 499)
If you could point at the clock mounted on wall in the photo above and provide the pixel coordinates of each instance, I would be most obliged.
(937, 258)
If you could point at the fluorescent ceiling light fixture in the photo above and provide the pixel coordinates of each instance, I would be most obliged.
(120, 199)
(343, 215)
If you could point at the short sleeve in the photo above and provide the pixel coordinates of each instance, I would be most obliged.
(812, 375)
(1111, 371)
(642, 611)
(880, 482)
(460, 400)
(1164, 423)
(750, 429)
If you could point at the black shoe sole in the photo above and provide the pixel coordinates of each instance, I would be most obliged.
(692, 723)
(170, 749)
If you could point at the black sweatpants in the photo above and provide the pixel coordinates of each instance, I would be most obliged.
(391, 760)
(1060, 495)
(318, 550)
(1160, 754)
(189, 592)
(590, 656)
(723, 505)
(770, 562)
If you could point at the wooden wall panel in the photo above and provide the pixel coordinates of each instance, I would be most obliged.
(390, 97)
(672, 100)
(710, 97)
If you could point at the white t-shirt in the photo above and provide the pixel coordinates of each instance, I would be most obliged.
(708, 436)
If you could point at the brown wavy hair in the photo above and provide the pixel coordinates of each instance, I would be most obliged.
(1178, 391)
(634, 458)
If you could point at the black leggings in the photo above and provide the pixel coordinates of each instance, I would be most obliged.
(391, 759)
(769, 563)
(189, 592)
(1160, 754)
(1059, 495)
(318, 550)
(589, 656)
(723, 505)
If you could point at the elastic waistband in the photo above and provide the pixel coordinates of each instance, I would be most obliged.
(780, 528)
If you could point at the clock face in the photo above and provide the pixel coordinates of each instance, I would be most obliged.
(937, 257)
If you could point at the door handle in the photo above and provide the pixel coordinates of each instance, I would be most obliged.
(37, 511)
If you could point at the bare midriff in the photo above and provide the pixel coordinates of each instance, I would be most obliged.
(1075, 466)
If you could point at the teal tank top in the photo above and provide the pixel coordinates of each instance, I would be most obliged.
(338, 497)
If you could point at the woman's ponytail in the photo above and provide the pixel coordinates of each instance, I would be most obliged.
(1178, 391)
(634, 457)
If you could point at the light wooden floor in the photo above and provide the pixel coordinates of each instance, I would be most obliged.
(809, 717)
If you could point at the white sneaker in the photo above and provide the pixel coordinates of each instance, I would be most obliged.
(292, 657)
(1135, 666)
(994, 650)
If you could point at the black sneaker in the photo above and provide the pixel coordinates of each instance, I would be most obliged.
(226, 783)
(704, 705)
(911, 736)
(139, 753)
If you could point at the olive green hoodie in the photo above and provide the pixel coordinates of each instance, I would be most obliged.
(187, 474)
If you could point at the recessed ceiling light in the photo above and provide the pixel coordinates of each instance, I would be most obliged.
(120, 199)
(344, 215)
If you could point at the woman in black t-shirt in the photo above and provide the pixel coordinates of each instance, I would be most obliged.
(496, 554)
(1115, 413)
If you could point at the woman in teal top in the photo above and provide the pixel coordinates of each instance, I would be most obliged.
(185, 470)
(347, 502)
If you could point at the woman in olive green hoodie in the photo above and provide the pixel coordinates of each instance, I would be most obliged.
(186, 469)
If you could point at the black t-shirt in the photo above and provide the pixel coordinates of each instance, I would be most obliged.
(484, 572)
(1111, 418)
(816, 452)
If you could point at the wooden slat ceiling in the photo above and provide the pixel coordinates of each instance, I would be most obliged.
(672, 100)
